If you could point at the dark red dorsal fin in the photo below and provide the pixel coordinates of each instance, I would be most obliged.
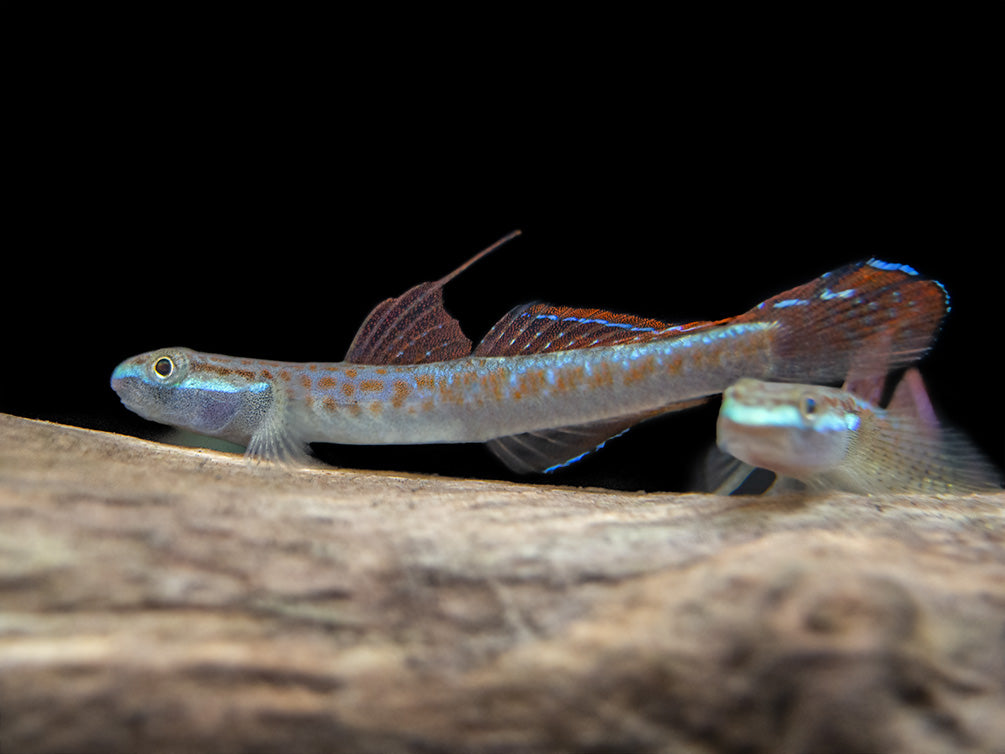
(415, 328)
(541, 328)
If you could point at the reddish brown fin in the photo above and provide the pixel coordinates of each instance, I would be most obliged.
(831, 324)
(540, 328)
(415, 328)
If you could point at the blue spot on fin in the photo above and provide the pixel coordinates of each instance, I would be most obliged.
(879, 264)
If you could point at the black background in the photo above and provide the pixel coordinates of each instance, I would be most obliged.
(257, 198)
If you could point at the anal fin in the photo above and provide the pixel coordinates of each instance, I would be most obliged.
(548, 450)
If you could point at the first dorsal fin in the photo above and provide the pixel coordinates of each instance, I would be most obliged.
(415, 328)
(542, 328)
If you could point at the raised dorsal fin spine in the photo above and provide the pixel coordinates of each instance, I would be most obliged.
(415, 328)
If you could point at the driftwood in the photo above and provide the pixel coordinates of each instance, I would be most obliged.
(154, 598)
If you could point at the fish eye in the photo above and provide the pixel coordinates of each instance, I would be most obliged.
(809, 407)
(163, 367)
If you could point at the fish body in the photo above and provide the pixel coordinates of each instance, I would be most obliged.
(831, 438)
(545, 386)
(471, 399)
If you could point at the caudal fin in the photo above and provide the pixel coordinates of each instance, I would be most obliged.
(874, 315)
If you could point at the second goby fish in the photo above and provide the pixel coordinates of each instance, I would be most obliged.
(830, 438)
(546, 385)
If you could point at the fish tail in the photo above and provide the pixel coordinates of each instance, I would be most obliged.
(872, 315)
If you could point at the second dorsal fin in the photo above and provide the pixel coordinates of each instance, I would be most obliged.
(541, 328)
(415, 328)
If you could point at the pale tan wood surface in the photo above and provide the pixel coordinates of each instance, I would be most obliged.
(155, 598)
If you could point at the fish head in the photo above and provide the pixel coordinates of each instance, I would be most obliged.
(190, 390)
(793, 430)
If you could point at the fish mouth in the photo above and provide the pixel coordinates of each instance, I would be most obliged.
(121, 381)
(762, 446)
(129, 389)
(129, 399)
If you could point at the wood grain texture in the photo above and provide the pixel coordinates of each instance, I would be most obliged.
(155, 598)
